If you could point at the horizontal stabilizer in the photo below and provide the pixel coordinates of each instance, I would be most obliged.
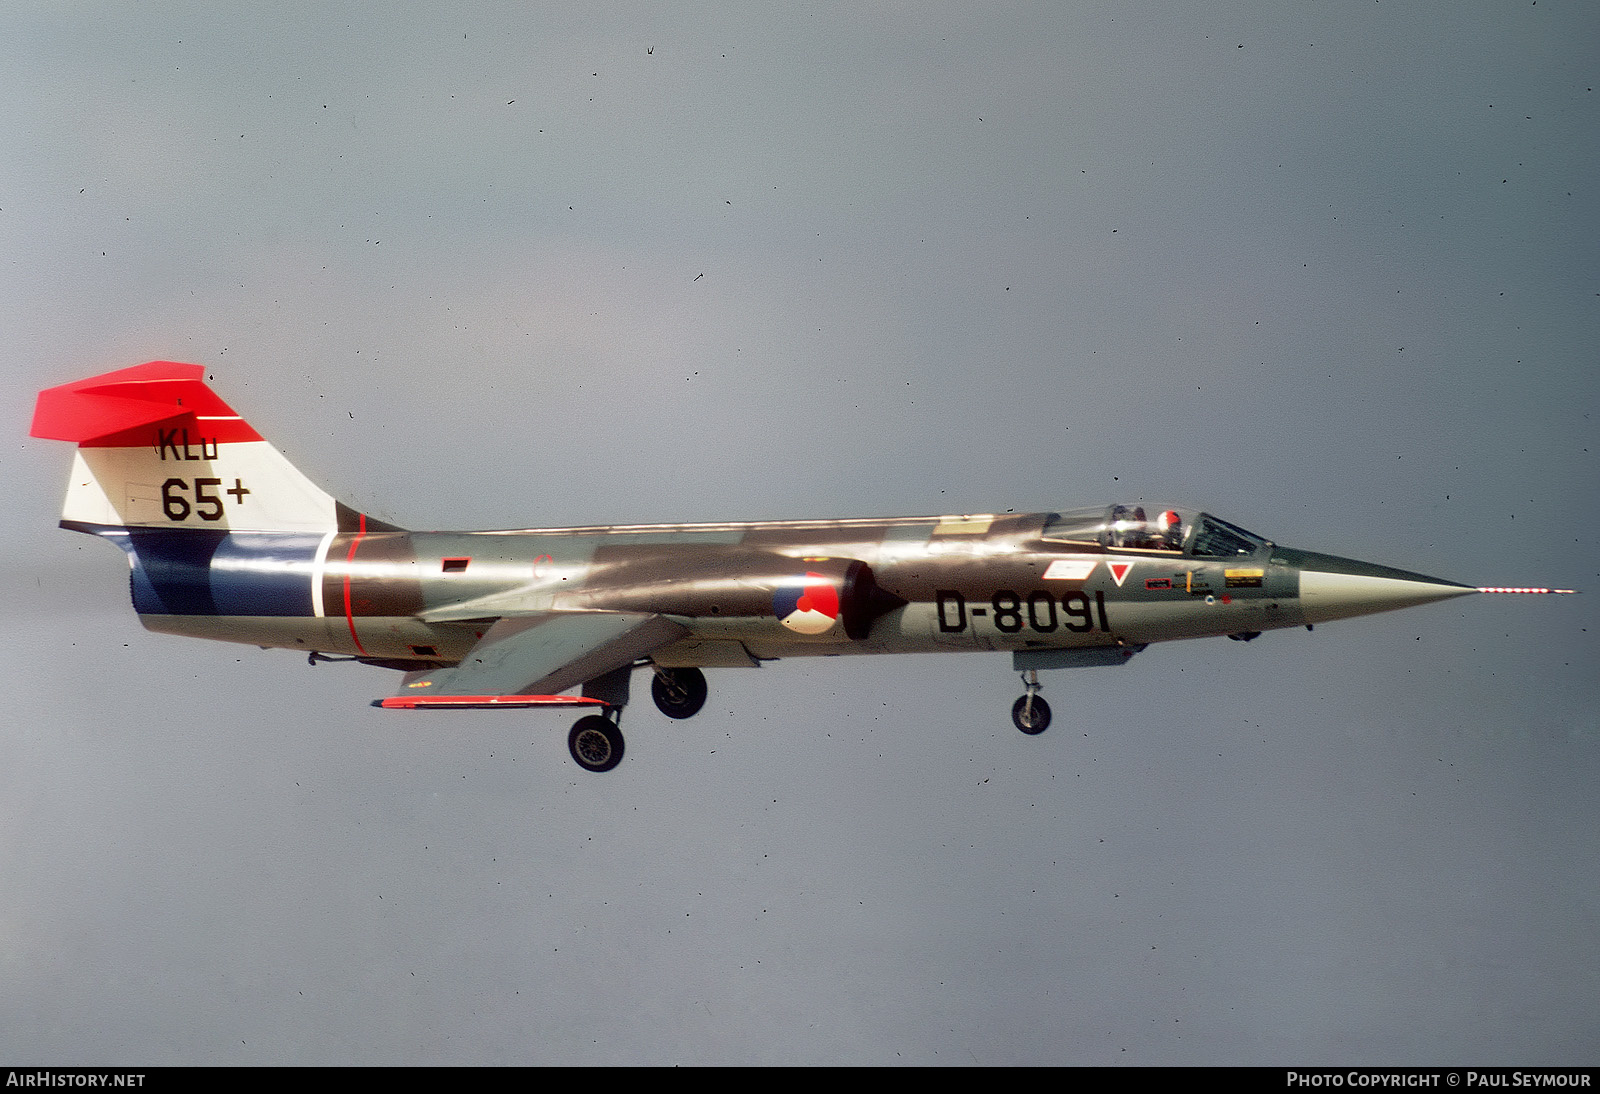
(116, 402)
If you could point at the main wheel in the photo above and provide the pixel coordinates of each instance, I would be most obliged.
(679, 693)
(1034, 720)
(595, 743)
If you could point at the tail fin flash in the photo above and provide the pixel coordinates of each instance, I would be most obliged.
(157, 448)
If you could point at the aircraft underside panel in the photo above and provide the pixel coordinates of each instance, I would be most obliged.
(1157, 621)
(385, 638)
(705, 654)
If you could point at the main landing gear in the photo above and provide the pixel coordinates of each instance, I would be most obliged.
(1031, 713)
(596, 743)
(679, 693)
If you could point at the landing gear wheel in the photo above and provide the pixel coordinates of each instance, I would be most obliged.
(595, 743)
(679, 693)
(1034, 719)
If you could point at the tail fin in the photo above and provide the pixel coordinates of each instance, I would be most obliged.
(158, 449)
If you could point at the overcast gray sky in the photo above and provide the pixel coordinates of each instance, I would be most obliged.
(1330, 271)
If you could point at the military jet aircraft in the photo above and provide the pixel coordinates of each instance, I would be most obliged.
(227, 540)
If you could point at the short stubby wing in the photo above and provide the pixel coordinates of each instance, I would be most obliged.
(526, 660)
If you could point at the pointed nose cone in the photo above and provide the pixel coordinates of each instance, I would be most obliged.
(1338, 588)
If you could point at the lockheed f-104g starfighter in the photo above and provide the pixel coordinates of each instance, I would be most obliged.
(226, 539)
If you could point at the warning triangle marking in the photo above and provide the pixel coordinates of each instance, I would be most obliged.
(1119, 571)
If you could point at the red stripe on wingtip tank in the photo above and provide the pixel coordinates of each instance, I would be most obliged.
(349, 617)
(468, 702)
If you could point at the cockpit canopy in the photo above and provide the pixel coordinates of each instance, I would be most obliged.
(1150, 530)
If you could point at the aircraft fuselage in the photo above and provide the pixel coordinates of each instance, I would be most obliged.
(903, 585)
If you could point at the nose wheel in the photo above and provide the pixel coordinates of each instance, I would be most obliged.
(1031, 713)
(595, 743)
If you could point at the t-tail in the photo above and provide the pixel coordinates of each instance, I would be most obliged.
(215, 521)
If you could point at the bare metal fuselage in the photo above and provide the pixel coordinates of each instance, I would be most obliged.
(919, 585)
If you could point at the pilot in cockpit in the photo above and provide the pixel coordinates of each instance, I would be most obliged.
(1170, 528)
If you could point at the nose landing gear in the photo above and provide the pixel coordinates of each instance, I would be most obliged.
(1031, 713)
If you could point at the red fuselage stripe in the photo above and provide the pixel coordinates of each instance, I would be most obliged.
(350, 559)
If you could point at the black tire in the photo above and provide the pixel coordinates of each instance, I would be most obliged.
(679, 693)
(595, 743)
(1032, 723)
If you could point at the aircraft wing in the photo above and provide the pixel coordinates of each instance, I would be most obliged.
(525, 660)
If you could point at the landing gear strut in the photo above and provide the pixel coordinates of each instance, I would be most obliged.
(595, 743)
(1031, 713)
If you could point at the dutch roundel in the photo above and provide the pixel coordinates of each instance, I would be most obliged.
(809, 605)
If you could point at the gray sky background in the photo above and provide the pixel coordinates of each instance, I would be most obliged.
(1331, 271)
